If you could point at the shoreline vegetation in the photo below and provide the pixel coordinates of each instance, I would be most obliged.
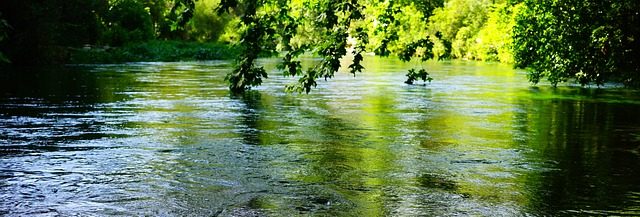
(152, 51)
(587, 42)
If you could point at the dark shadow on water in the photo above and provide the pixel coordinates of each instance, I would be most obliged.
(250, 116)
(31, 149)
(588, 151)
(71, 86)
(43, 107)
(436, 181)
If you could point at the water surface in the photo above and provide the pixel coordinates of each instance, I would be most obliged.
(169, 139)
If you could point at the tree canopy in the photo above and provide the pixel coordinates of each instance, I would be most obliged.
(586, 41)
(323, 27)
(589, 42)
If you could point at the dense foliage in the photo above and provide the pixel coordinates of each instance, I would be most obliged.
(560, 40)
(589, 41)
(474, 29)
(465, 29)
(49, 32)
(328, 28)
(39, 30)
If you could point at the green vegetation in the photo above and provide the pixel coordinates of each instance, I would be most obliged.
(465, 29)
(588, 42)
(591, 42)
(472, 29)
(58, 31)
(154, 51)
(330, 29)
(126, 21)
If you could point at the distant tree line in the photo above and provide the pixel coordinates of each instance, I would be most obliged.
(589, 42)
(40, 32)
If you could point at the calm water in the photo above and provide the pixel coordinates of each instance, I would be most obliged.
(169, 139)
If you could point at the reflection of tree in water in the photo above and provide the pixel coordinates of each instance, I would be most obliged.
(332, 175)
(63, 85)
(350, 155)
(435, 181)
(250, 117)
(588, 149)
(59, 104)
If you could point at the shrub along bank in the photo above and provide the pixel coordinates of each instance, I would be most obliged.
(153, 51)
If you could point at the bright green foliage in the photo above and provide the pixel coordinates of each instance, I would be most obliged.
(254, 35)
(474, 29)
(458, 22)
(206, 24)
(328, 28)
(334, 21)
(561, 40)
(425, 7)
(393, 25)
(382, 26)
(494, 40)
(177, 17)
(269, 25)
(585, 41)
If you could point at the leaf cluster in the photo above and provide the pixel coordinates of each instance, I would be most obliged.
(414, 75)
(589, 42)
(331, 29)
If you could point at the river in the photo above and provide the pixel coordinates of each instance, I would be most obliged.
(168, 139)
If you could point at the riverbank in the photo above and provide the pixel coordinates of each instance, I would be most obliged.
(153, 51)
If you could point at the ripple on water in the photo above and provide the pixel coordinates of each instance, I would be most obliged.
(167, 139)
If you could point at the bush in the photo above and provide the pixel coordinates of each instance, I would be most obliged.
(206, 24)
(478, 30)
(127, 21)
(590, 42)
(494, 41)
